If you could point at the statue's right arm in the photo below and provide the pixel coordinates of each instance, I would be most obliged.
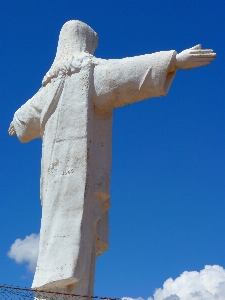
(119, 82)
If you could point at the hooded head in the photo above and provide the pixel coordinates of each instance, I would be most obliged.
(76, 40)
(76, 37)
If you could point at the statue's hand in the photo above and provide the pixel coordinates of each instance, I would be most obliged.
(11, 129)
(194, 57)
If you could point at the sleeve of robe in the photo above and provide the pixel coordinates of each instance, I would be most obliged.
(27, 118)
(119, 82)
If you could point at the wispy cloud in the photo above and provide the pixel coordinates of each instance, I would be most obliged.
(25, 251)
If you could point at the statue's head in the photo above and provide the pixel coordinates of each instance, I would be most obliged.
(76, 37)
(76, 40)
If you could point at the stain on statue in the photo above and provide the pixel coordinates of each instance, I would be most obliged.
(72, 113)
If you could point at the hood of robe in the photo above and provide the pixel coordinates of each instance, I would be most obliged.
(77, 41)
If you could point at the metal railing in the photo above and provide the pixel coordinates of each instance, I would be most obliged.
(17, 293)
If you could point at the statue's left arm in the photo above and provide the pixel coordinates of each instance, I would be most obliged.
(26, 120)
(29, 120)
(124, 81)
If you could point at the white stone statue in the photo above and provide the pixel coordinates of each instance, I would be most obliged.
(72, 113)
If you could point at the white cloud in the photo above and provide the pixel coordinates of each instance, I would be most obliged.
(25, 251)
(208, 284)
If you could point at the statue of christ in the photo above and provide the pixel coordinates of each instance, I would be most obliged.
(72, 113)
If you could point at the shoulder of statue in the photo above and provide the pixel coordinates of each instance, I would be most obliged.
(62, 68)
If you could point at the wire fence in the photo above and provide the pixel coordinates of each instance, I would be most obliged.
(17, 293)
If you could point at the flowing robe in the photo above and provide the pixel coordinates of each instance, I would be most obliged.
(73, 116)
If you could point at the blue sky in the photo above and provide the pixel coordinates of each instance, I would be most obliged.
(168, 168)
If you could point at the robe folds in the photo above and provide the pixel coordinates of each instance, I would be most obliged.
(73, 116)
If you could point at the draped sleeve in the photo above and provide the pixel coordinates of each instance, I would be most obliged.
(30, 119)
(119, 82)
(27, 118)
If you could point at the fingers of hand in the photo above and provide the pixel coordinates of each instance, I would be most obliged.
(197, 57)
(202, 51)
(203, 56)
(11, 130)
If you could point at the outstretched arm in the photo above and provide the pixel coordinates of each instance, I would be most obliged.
(193, 58)
(124, 81)
(26, 120)
(119, 82)
(29, 118)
